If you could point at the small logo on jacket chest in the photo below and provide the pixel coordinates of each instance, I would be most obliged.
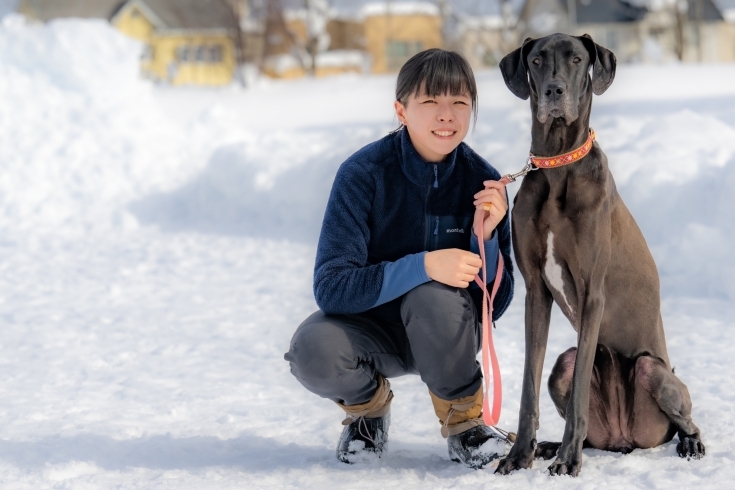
(455, 230)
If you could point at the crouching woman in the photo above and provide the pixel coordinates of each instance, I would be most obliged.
(395, 263)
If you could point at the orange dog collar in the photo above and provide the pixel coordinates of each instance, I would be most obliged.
(566, 158)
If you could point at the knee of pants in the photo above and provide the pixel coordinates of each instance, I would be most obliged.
(325, 362)
(434, 305)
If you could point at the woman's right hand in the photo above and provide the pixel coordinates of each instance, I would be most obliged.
(452, 266)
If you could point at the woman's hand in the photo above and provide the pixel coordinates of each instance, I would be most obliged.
(452, 266)
(494, 196)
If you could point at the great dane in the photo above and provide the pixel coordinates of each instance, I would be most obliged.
(577, 244)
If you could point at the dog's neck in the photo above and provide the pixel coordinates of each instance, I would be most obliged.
(555, 137)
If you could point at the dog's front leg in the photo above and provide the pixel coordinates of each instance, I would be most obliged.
(569, 458)
(538, 315)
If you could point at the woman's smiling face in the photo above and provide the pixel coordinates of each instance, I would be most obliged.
(436, 125)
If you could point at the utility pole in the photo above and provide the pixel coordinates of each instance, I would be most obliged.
(444, 15)
(698, 7)
(572, 16)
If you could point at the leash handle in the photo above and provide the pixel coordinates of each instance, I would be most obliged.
(489, 357)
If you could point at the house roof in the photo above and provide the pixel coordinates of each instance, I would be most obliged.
(171, 14)
(709, 11)
(608, 11)
(190, 14)
(727, 7)
(46, 10)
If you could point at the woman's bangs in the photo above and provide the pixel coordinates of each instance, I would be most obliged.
(445, 77)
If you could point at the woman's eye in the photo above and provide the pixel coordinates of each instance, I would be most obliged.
(577, 59)
(461, 102)
(536, 61)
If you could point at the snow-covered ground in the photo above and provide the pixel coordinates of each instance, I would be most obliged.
(156, 252)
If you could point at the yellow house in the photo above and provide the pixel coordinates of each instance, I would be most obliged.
(381, 35)
(395, 31)
(187, 42)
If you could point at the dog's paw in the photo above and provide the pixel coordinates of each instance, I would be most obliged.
(546, 450)
(514, 462)
(690, 448)
(560, 467)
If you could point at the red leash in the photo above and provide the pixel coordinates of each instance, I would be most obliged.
(489, 357)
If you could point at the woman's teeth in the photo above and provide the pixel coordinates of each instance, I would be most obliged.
(443, 133)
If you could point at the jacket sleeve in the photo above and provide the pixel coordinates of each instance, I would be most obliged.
(343, 282)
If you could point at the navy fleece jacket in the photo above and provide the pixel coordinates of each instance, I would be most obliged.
(386, 209)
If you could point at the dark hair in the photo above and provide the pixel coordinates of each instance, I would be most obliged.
(436, 72)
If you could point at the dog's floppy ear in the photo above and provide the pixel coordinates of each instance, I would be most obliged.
(515, 72)
(603, 64)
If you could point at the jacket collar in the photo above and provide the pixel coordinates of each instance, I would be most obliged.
(418, 170)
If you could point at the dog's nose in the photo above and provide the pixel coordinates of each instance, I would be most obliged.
(554, 89)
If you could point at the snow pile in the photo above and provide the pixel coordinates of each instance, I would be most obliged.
(276, 185)
(398, 8)
(79, 132)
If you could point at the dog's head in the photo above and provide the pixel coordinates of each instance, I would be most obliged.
(555, 71)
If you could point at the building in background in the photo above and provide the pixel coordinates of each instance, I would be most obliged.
(616, 24)
(686, 30)
(209, 42)
(486, 33)
(703, 31)
(377, 37)
(187, 42)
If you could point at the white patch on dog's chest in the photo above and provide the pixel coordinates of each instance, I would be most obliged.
(553, 270)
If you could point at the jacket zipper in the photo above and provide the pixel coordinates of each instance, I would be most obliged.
(436, 234)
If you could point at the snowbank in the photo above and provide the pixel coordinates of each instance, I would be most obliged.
(79, 130)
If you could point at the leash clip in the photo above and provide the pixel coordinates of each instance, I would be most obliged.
(527, 169)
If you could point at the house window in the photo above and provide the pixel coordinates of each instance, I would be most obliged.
(216, 56)
(148, 53)
(275, 39)
(398, 52)
(201, 54)
(182, 54)
(612, 40)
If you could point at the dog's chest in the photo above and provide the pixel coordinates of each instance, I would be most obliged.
(558, 278)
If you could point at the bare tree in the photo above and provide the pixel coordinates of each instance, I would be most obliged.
(239, 11)
(303, 46)
(317, 38)
(680, 8)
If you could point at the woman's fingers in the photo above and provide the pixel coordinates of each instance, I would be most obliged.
(491, 196)
(494, 184)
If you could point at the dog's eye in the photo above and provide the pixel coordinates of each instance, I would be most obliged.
(536, 61)
(577, 59)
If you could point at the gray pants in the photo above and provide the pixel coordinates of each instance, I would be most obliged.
(438, 337)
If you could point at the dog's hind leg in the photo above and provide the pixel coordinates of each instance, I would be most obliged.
(560, 389)
(672, 397)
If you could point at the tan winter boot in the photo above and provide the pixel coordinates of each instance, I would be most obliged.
(366, 426)
(469, 440)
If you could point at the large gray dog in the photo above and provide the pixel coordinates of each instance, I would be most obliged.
(577, 244)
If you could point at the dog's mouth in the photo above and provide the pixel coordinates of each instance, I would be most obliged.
(561, 110)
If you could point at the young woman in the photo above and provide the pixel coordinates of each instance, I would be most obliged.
(395, 264)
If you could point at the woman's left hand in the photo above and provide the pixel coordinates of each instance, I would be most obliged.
(494, 195)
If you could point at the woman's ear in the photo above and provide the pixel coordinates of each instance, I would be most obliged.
(400, 112)
(514, 70)
(603, 63)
